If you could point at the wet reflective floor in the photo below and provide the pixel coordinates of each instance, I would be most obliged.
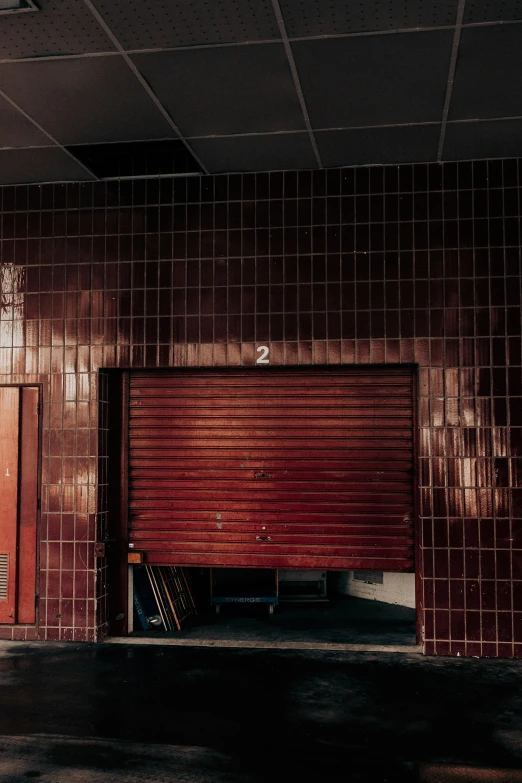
(106, 713)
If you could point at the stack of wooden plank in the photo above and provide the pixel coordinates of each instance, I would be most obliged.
(172, 594)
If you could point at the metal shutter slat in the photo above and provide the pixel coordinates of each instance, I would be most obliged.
(278, 469)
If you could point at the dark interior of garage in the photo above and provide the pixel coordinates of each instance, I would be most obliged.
(247, 607)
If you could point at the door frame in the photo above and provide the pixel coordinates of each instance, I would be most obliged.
(118, 491)
(119, 386)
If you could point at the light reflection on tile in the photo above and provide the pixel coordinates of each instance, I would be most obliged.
(326, 268)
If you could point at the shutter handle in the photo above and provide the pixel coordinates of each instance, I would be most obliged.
(263, 538)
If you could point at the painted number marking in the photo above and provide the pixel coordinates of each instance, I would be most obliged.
(263, 350)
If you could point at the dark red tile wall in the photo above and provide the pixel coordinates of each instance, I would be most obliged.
(370, 265)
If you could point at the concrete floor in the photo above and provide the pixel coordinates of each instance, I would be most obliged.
(339, 622)
(151, 714)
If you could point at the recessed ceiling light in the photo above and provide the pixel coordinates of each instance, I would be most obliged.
(17, 6)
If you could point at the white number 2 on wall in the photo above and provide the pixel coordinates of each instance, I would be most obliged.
(263, 351)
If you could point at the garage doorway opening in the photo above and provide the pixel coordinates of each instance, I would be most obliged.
(300, 478)
(258, 607)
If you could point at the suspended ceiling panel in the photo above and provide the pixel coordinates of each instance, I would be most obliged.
(39, 165)
(88, 99)
(256, 153)
(237, 89)
(154, 24)
(16, 130)
(488, 81)
(249, 85)
(370, 80)
(404, 144)
(483, 139)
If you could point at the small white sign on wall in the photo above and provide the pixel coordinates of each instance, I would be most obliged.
(263, 351)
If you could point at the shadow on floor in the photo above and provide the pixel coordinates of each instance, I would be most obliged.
(157, 714)
(344, 620)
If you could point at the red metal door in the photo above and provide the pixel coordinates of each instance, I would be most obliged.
(28, 505)
(9, 437)
(273, 468)
(18, 503)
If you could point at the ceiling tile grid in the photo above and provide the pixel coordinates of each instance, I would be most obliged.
(249, 84)
(374, 80)
(488, 78)
(305, 18)
(276, 151)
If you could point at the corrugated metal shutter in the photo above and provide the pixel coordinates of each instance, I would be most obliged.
(273, 468)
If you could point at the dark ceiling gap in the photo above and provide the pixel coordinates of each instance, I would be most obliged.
(139, 160)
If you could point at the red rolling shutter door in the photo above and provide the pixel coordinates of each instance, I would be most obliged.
(273, 468)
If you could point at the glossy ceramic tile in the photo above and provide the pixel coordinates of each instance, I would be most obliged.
(382, 265)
